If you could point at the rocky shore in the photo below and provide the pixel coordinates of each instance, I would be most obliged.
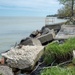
(26, 57)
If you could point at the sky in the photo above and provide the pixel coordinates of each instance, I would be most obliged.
(28, 7)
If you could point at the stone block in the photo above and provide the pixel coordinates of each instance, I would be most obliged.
(47, 37)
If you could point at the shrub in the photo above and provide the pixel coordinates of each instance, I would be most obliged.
(59, 52)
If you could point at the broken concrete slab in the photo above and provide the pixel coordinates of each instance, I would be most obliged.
(47, 37)
(24, 57)
(66, 31)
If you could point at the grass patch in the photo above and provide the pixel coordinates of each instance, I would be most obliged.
(59, 52)
(58, 71)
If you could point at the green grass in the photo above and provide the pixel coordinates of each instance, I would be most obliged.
(58, 71)
(59, 52)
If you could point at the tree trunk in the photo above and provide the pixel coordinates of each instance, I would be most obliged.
(72, 7)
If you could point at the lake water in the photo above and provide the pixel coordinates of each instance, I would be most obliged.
(13, 29)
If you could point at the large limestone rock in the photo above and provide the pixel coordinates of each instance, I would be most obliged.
(5, 70)
(24, 57)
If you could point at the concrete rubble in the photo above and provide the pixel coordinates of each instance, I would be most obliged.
(56, 26)
(30, 41)
(28, 52)
(5, 70)
(66, 31)
(41, 37)
(47, 37)
(24, 57)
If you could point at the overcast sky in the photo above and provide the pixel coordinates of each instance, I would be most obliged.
(28, 7)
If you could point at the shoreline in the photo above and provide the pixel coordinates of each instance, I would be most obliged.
(41, 37)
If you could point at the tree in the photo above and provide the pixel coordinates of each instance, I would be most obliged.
(64, 12)
(72, 7)
(64, 2)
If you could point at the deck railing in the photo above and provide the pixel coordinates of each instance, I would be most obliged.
(49, 20)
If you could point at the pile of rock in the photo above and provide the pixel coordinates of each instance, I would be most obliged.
(45, 35)
(35, 34)
(27, 53)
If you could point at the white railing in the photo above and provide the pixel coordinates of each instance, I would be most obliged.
(49, 20)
